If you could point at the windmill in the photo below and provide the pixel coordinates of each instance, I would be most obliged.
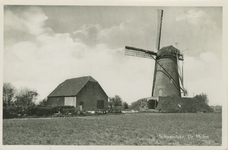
(168, 75)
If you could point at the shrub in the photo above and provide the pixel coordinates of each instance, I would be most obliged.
(69, 111)
(62, 109)
(14, 111)
(202, 98)
(43, 102)
(41, 111)
(9, 112)
(125, 105)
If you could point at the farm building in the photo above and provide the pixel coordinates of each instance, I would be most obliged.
(82, 91)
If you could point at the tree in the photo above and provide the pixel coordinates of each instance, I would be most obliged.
(202, 97)
(115, 101)
(26, 97)
(43, 102)
(125, 105)
(8, 93)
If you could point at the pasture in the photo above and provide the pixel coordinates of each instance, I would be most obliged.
(201, 129)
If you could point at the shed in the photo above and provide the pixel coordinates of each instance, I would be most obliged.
(84, 91)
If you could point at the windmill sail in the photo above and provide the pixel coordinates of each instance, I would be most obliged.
(159, 27)
(132, 51)
(137, 54)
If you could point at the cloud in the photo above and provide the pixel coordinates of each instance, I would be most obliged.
(115, 36)
(192, 16)
(30, 19)
(128, 33)
(199, 18)
(88, 34)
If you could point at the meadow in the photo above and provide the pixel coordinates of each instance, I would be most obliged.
(201, 129)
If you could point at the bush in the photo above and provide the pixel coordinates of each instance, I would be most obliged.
(41, 111)
(15, 111)
(9, 112)
(20, 111)
(62, 109)
(125, 105)
(202, 98)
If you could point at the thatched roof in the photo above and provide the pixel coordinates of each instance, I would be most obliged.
(71, 87)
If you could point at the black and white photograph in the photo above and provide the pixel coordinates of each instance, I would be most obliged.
(114, 75)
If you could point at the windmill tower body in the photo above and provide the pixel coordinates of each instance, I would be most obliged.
(166, 77)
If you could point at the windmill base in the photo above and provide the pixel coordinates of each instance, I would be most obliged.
(171, 105)
(182, 105)
(149, 103)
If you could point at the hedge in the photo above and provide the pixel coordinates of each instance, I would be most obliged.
(24, 111)
(48, 111)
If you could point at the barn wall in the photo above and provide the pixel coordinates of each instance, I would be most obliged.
(55, 101)
(90, 93)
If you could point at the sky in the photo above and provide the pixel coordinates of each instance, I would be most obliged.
(45, 45)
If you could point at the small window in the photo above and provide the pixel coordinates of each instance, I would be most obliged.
(81, 103)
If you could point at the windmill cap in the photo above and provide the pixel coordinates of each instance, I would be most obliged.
(168, 50)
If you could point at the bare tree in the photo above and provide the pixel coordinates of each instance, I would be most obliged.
(26, 97)
(8, 93)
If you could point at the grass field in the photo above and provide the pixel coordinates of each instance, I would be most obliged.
(126, 129)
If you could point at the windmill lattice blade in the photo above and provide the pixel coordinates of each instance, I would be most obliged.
(130, 52)
(159, 27)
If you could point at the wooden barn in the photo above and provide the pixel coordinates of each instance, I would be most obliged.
(84, 91)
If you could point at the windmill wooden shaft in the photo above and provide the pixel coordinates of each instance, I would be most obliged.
(167, 74)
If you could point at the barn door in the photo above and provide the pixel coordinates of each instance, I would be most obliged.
(81, 105)
(100, 104)
(70, 101)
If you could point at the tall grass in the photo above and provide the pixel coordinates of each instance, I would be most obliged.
(130, 129)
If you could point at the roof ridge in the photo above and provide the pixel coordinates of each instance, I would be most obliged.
(78, 77)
